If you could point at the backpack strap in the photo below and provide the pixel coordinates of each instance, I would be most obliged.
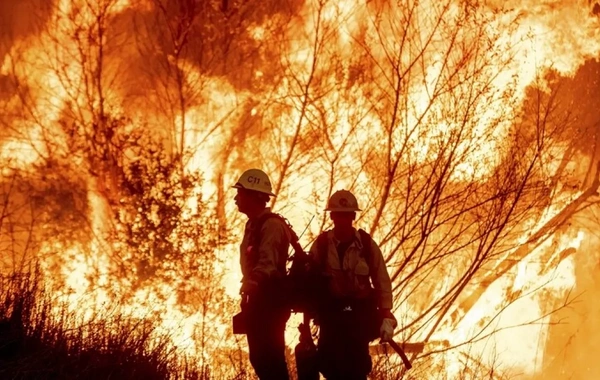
(323, 245)
(255, 237)
(367, 252)
(322, 248)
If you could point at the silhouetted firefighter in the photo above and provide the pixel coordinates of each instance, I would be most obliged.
(269, 293)
(332, 284)
(355, 306)
(263, 258)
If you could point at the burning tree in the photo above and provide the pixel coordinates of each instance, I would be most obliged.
(147, 241)
(433, 113)
(418, 108)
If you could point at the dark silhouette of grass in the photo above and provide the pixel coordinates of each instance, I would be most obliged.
(37, 342)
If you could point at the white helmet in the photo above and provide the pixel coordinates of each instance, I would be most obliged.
(256, 180)
(342, 201)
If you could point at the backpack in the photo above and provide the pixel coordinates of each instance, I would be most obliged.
(255, 237)
(300, 282)
(304, 284)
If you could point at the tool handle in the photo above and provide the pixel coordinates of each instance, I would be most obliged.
(400, 352)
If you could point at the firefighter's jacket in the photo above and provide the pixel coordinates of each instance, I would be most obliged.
(353, 277)
(272, 252)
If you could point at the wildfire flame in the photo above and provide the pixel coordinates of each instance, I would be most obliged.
(323, 95)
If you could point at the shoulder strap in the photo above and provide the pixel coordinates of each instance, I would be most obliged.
(256, 236)
(322, 247)
(260, 221)
(367, 252)
(257, 226)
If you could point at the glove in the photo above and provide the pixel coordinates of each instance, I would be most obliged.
(249, 287)
(386, 331)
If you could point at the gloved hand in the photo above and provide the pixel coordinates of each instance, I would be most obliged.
(244, 302)
(386, 331)
(249, 287)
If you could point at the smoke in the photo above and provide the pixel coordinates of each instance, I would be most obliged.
(21, 19)
(319, 96)
(574, 334)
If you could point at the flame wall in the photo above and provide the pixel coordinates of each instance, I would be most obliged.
(455, 123)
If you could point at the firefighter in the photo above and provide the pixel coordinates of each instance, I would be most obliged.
(263, 255)
(353, 312)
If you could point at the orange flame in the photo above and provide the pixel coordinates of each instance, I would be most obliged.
(332, 95)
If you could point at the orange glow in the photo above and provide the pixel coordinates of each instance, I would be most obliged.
(414, 106)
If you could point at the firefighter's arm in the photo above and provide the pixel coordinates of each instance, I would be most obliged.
(273, 243)
(381, 278)
(383, 285)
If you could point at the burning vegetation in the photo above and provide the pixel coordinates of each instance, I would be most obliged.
(468, 129)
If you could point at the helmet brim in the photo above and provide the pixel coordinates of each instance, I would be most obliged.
(343, 209)
(240, 186)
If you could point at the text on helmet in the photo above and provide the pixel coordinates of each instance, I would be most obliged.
(255, 180)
